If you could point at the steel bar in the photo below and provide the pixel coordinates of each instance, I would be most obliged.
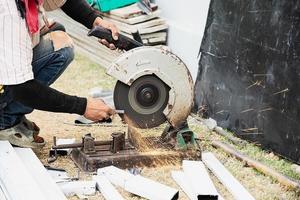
(79, 145)
(258, 166)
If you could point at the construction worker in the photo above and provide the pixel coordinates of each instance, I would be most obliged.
(33, 54)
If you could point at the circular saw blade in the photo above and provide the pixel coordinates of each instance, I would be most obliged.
(143, 102)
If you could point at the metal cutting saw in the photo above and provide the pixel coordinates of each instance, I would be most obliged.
(154, 85)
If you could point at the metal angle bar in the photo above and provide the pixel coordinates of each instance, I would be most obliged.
(226, 178)
(199, 179)
(85, 188)
(106, 188)
(138, 185)
(39, 173)
(182, 181)
(15, 177)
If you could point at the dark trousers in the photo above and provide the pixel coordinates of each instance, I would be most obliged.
(47, 66)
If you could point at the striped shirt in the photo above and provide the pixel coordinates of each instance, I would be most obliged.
(16, 44)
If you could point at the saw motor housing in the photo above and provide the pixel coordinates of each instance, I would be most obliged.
(154, 85)
(169, 68)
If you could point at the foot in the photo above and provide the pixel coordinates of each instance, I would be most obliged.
(22, 135)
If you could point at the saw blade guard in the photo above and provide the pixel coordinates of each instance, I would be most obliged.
(165, 65)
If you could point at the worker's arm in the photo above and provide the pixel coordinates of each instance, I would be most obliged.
(82, 12)
(38, 96)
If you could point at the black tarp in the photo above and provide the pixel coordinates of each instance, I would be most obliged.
(249, 71)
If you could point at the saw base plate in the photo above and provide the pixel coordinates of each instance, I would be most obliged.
(134, 155)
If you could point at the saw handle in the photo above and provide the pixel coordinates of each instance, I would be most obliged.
(123, 41)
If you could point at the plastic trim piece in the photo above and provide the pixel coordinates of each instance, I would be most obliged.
(139, 185)
(106, 188)
(230, 182)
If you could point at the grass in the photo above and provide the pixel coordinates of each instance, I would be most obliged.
(268, 158)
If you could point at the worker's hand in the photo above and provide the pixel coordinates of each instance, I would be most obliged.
(97, 110)
(114, 31)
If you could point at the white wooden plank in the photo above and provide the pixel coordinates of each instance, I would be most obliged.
(182, 181)
(139, 26)
(155, 35)
(156, 40)
(129, 11)
(226, 178)
(14, 176)
(135, 20)
(58, 176)
(40, 174)
(106, 188)
(150, 35)
(138, 185)
(199, 179)
(2, 194)
(151, 23)
(81, 188)
(153, 29)
(142, 30)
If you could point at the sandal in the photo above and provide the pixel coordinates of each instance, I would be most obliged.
(19, 135)
(30, 125)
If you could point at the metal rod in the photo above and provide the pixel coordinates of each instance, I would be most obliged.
(79, 145)
(120, 111)
(284, 180)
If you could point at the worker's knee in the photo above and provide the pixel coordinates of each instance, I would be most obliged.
(60, 40)
(63, 44)
(67, 53)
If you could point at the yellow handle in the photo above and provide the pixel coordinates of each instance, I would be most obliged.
(1, 89)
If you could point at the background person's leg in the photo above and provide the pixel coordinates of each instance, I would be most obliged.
(48, 64)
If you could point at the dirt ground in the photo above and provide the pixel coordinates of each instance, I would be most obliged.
(83, 75)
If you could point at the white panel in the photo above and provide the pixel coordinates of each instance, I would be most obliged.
(106, 188)
(14, 176)
(40, 174)
(182, 181)
(138, 185)
(236, 189)
(198, 178)
(79, 188)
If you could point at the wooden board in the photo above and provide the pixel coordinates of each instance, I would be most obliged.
(153, 29)
(130, 11)
(162, 34)
(135, 20)
(152, 26)
(151, 38)
(140, 26)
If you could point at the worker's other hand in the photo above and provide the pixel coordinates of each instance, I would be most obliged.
(97, 110)
(109, 25)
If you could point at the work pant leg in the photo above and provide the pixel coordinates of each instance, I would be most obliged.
(50, 58)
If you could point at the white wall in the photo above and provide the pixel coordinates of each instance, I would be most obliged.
(187, 20)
